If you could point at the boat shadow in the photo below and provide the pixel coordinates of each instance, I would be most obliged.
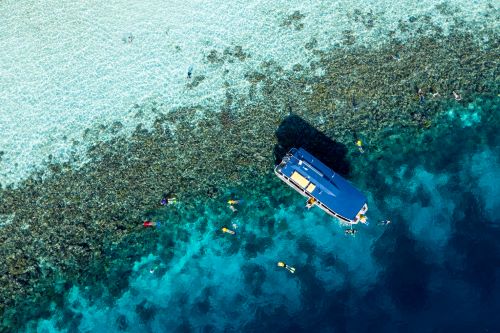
(296, 132)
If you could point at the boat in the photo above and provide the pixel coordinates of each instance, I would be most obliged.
(322, 186)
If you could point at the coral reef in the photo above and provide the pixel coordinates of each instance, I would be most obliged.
(81, 225)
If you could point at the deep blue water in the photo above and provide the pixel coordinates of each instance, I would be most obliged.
(435, 268)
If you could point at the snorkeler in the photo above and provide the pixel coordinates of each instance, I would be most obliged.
(351, 232)
(457, 96)
(168, 200)
(232, 203)
(359, 144)
(149, 224)
(421, 96)
(310, 202)
(385, 222)
(190, 71)
(129, 38)
(434, 93)
(396, 57)
(289, 268)
(228, 231)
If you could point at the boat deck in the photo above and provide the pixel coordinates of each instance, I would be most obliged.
(331, 192)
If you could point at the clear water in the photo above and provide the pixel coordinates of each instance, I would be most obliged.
(68, 70)
(438, 254)
(68, 67)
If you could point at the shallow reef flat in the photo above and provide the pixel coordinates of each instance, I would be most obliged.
(64, 73)
(81, 225)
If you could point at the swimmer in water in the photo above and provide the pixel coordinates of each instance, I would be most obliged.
(232, 203)
(285, 266)
(351, 232)
(359, 144)
(149, 224)
(310, 202)
(421, 96)
(228, 231)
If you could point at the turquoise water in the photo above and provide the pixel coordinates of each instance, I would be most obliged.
(98, 119)
(440, 253)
